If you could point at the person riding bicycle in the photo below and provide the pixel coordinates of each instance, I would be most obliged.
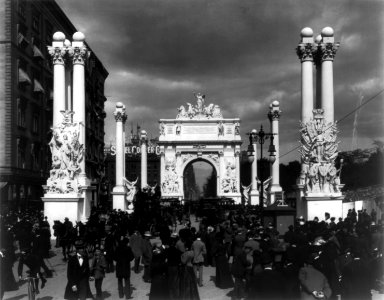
(33, 262)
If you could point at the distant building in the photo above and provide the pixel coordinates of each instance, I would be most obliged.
(26, 97)
(133, 161)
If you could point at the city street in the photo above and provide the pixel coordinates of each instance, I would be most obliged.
(55, 286)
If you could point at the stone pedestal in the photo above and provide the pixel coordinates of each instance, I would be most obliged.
(318, 206)
(310, 205)
(60, 206)
(118, 195)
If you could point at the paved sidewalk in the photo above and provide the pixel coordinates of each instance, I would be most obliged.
(54, 289)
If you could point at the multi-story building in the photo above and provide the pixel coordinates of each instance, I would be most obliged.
(26, 98)
(133, 162)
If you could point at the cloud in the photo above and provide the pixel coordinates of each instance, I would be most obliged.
(241, 54)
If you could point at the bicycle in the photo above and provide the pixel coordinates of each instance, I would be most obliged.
(31, 286)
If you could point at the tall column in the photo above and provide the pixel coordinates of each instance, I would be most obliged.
(162, 167)
(317, 60)
(58, 51)
(305, 52)
(119, 190)
(78, 53)
(237, 162)
(274, 116)
(254, 193)
(144, 168)
(328, 49)
(68, 80)
(222, 172)
(125, 117)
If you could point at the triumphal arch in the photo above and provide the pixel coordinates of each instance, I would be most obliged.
(199, 132)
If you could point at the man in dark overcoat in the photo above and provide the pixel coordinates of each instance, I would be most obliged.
(78, 273)
(123, 257)
(147, 256)
(136, 241)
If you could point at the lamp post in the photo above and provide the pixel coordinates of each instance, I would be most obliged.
(261, 137)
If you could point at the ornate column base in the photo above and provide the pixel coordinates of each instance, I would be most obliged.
(275, 193)
(118, 198)
(61, 206)
(87, 194)
(310, 205)
(254, 197)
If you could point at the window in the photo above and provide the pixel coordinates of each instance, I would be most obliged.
(35, 154)
(20, 113)
(21, 9)
(36, 21)
(35, 123)
(20, 153)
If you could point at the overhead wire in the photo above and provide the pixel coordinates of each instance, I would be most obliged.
(340, 120)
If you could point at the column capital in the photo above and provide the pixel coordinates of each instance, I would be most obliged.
(78, 54)
(119, 113)
(327, 51)
(274, 111)
(305, 51)
(274, 115)
(58, 54)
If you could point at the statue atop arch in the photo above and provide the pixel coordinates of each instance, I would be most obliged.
(200, 110)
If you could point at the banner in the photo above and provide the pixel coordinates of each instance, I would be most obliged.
(135, 150)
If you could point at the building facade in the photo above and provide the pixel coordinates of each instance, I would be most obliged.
(26, 99)
(133, 162)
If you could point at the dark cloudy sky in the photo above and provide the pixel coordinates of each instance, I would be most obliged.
(240, 54)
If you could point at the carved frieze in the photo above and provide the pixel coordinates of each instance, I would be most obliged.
(229, 181)
(319, 150)
(67, 153)
(170, 184)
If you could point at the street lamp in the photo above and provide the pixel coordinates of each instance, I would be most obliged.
(261, 137)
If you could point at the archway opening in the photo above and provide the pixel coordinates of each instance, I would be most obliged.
(200, 181)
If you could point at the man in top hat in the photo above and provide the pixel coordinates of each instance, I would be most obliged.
(78, 274)
(147, 256)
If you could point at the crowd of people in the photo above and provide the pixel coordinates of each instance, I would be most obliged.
(314, 259)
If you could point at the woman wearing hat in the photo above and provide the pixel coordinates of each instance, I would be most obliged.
(188, 282)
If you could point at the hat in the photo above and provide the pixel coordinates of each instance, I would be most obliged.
(79, 244)
(147, 233)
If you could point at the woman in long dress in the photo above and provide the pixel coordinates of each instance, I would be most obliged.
(188, 282)
(223, 275)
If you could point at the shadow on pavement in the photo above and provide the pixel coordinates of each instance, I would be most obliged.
(17, 297)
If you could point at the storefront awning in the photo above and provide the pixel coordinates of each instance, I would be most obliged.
(37, 52)
(37, 86)
(23, 77)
